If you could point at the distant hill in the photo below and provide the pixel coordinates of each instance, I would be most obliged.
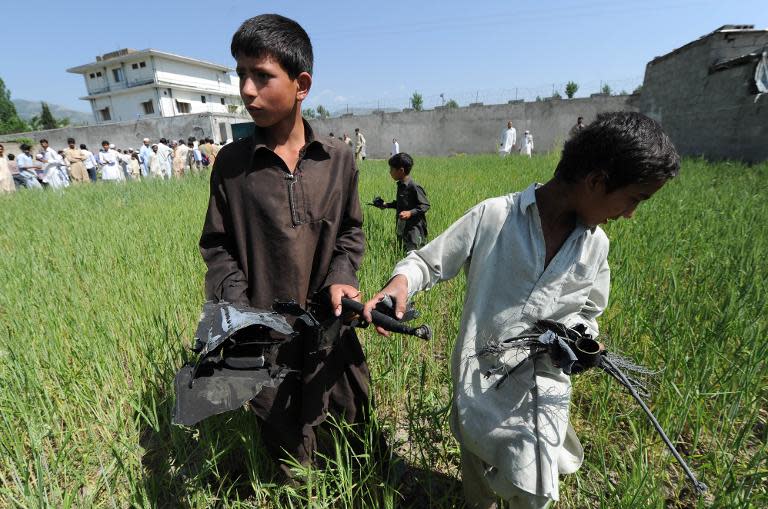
(28, 109)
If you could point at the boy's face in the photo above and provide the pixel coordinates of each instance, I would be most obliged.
(268, 93)
(397, 173)
(596, 206)
(105, 147)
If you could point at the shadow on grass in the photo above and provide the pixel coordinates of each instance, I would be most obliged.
(425, 488)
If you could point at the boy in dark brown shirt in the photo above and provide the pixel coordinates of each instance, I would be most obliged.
(284, 222)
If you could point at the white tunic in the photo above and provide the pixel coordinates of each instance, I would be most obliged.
(508, 140)
(527, 145)
(6, 179)
(165, 153)
(520, 428)
(110, 169)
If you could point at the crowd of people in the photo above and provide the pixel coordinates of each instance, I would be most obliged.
(76, 164)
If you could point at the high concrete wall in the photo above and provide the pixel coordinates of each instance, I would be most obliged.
(472, 130)
(708, 110)
(130, 134)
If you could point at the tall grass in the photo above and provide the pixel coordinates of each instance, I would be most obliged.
(101, 286)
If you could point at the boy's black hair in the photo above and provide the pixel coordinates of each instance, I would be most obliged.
(24, 147)
(401, 160)
(43, 140)
(278, 37)
(104, 142)
(70, 140)
(83, 147)
(11, 157)
(626, 147)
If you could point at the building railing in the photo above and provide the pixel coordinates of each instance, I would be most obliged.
(120, 86)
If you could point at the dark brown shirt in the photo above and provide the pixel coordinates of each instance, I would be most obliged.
(270, 234)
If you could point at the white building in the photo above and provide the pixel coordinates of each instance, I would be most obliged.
(130, 84)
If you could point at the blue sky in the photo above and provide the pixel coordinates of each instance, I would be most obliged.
(370, 54)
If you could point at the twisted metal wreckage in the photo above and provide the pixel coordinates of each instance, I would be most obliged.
(231, 340)
(231, 369)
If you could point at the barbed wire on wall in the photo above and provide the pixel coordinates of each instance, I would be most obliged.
(484, 96)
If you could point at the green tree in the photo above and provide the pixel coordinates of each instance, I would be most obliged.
(638, 89)
(556, 95)
(10, 122)
(47, 121)
(309, 113)
(606, 89)
(322, 112)
(417, 101)
(450, 103)
(570, 89)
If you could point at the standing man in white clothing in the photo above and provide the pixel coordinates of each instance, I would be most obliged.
(359, 145)
(144, 153)
(508, 140)
(395, 148)
(165, 153)
(110, 163)
(90, 162)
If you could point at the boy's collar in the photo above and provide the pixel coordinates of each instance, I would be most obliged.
(528, 198)
(260, 140)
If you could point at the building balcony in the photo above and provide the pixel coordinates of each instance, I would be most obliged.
(120, 86)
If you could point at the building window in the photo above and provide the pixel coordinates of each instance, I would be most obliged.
(104, 114)
(134, 66)
(92, 75)
(142, 64)
(98, 74)
(149, 108)
(117, 74)
(222, 101)
(202, 99)
(183, 107)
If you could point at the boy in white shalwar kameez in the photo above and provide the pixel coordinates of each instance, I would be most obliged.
(531, 255)
(526, 146)
(110, 163)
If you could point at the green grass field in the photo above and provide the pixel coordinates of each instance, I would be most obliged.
(101, 288)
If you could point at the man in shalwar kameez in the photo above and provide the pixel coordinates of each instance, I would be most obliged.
(6, 179)
(508, 140)
(144, 154)
(76, 159)
(165, 153)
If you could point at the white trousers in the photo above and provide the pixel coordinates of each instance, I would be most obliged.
(483, 487)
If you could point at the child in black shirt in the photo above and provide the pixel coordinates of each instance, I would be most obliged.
(411, 204)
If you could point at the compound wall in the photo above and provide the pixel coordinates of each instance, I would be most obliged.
(473, 129)
(705, 97)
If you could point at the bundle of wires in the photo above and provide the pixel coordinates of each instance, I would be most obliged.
(574, 350)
